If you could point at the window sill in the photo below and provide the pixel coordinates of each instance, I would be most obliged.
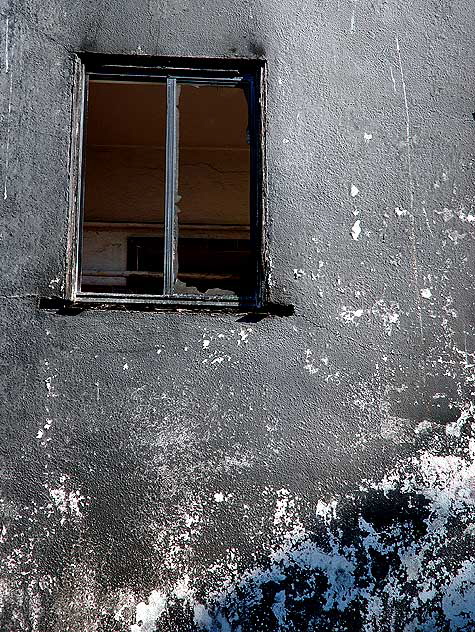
(174, 302)
(153, 303)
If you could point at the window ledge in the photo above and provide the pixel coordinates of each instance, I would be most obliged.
(145, 303)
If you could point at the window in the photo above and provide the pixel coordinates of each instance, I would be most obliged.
(169, 187)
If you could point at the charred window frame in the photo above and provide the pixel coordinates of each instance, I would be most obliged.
(248, 73)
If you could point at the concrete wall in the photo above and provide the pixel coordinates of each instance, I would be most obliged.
(218, 472)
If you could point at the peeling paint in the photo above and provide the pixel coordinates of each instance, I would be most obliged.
(356, 230)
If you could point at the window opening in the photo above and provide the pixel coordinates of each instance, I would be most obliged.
(212, 202)
(171, 188)
(124, 183)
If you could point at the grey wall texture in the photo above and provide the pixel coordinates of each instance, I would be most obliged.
(212, 472)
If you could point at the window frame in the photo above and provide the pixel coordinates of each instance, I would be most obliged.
(171, 71)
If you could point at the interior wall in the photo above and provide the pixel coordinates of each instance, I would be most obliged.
(127, 184)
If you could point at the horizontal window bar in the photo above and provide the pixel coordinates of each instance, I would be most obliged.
(171, 68)
(219, 276)
(174, 301)
(127, 77)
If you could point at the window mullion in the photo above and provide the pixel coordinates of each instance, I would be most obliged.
(169, 249)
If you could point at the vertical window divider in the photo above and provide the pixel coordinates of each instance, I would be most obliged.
(170, 232)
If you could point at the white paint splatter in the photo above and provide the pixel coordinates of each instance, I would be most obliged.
(50, 392)
(356, 230)
(348, 315)
(426, 292)
(45, 429)
(219, 497)
(367, 137)
(7, 36)
(244, 335)
(352, 23)
(68, 503)
(388, 312)
(354, 191)
(455, 235)
(147, 614)
(423, 426)
(466, 217)
(309, 363)
(326, 511)
(353, 18)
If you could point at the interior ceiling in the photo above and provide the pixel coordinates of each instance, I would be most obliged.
(126, 113)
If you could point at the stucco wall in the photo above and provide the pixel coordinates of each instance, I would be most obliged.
(218, 472)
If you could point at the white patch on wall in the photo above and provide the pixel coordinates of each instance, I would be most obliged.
(466, 217)
(455, 235)
(354, 191)
(147, 614)
(42, 431)
(388, 312)
(348, 315)
(54, 283)
(309, 363)
(7, 52)
(356, 230)
(326, 511)
(50, 390)
(393, 428)
(367, 137)
(68, 502)
(423, 426)
(353, 18)
(426, 292)
(243, 335)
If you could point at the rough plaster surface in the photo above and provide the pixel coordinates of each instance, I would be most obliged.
(188, 472)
